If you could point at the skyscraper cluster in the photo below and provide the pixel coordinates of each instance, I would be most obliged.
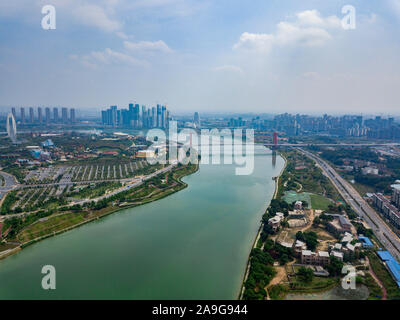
(136, 117)
(49, 116)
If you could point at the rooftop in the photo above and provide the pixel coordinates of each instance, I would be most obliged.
(300, 243)
(392, 264)
(337, 254)
(396, 186)
(323, 254)
(366, 241)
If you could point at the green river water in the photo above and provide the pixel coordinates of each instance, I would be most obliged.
(193, 244)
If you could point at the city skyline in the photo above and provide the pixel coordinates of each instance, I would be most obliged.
(210, 56)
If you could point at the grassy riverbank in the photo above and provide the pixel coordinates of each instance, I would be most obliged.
(300, 179)
(278, 187)
(27, 230)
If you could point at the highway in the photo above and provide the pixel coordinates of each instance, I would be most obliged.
(381, 230)
(390, 144)
(10, 183)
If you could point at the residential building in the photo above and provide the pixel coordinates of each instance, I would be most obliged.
(55, 115)
(31, 115)
(64, 115)
(47, 111)
(389, 211)
(315, 258)
(396, 195)
(196, 119)
(298, 205)
(72, 115)
(22, 115)
(275, 222)
(40, 115)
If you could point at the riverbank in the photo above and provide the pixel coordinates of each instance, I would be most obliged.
(277, 181)
(177, 174)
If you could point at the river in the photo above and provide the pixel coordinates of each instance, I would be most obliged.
(193, 244)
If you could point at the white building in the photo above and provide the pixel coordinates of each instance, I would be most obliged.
(370, 170)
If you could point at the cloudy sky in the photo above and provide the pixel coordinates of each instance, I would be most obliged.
(222, 55)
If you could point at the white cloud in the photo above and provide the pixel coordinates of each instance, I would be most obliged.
(395, 4)
(256, 41)
(122, 35)
(156, 46)
(93, 15)
(108, 57)
(309, 29)
(313, 18)
(229, 68)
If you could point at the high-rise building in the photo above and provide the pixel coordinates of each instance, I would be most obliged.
(31, 115)
(40, 115)
(22, 115)
(11, 128)
(396, 195)
(72, 115)
(158, 116)
(144, 117)
(125, 117)
(47, 111)
(14, 113)
(104, 117)
(149, 119)
(196, 119)
(119, 118)
(55, 115)
(153, 117)
(163, 117)
(64, 115)
(136, 116)
(113, 116)
(131, 111)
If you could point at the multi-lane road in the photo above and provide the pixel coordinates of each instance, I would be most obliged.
(381, 230)
(10, 183)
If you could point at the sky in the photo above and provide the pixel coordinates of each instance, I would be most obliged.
(201, 55)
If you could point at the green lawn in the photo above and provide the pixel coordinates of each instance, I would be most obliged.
(320, 202)
(292, 196)
(393, 292)
(53, 224)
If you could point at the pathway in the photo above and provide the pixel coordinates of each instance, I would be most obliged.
(380, 284)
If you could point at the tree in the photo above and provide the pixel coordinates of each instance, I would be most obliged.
(300, 236)
(335, 266)
(284, 258)
(306, 275)
(311, 239)
(316, 221)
